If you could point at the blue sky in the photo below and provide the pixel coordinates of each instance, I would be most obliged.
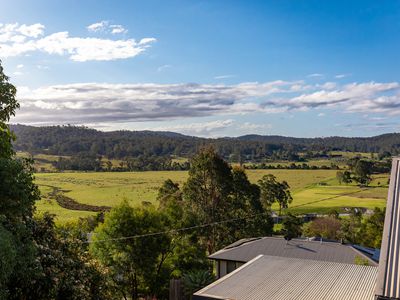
(206, 68)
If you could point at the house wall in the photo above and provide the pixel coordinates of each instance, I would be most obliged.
(224, 267)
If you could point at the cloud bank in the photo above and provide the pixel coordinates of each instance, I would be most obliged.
(17, 40)
(83, 103)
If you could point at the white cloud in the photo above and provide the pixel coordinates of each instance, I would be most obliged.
(199, 129)
(315, 75)
(42, 67)
(34, 30)
(163, 67)
(20, 66)
(355, 97)
(105, 26)
(339, 76)
(146, 41)
(60, 43)
(115, 29)
(19, 33)
(321, 115)
(372, 126)
(97, 26)
(18, 73)
(96, 102)
(254, 127)
(83, 103)
(224, 76)
(378, 118)
(328, 85)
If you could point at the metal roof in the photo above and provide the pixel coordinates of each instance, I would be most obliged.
(278, 278)
(245, 250)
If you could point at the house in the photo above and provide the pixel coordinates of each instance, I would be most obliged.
(243, 251)
(270, 268)
(272, 277)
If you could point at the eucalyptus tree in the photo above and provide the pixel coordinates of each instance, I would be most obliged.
(274, 191)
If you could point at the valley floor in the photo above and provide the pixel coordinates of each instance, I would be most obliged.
(80, 194)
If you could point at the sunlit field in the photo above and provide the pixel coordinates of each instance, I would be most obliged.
(314, 191)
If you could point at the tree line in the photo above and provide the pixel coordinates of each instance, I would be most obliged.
(82, 162)
(74, 140)
(360, 170)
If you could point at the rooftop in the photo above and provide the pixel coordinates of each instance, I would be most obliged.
(247, 249)
(273, 278)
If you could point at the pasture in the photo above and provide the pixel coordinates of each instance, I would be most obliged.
(312, 190)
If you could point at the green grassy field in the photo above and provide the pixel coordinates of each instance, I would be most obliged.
(312, 190)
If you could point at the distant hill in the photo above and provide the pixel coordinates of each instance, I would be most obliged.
(72, 140)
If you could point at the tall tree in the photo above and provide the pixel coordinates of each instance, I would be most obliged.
(363, 171)
(351, 226)
(8, 105)
(207, 193)
(273, 191)
(372, 229)
(35, 263)
(291, 227)
(247, 202)
(18, 194)
(169, 192)
(137, 264)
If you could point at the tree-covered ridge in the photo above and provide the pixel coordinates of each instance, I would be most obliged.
(73, 140)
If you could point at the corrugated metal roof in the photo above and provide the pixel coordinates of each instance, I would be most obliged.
(389, 268)
(278, 278)
(296, 248)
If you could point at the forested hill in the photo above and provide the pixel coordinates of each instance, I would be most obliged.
(386, 142)
(72, 140)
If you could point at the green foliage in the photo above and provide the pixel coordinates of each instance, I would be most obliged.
(18, 193)
(8, 105)
(362, 172)
(17, 197)
(247, 202)
(35, 262)
(137, 265)
(274, 191)
(325, 227)
(169, 192)
(64, 268)
(207, 192)
(8, 256)
(350, 227)
(196, 280)
(187, 253)
(79, 162)
(372, 228)
(291, 227)
(214, 192)
(358, 260)
(356, 228)
(343, 177)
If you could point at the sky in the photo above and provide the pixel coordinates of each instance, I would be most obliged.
(206, 68)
